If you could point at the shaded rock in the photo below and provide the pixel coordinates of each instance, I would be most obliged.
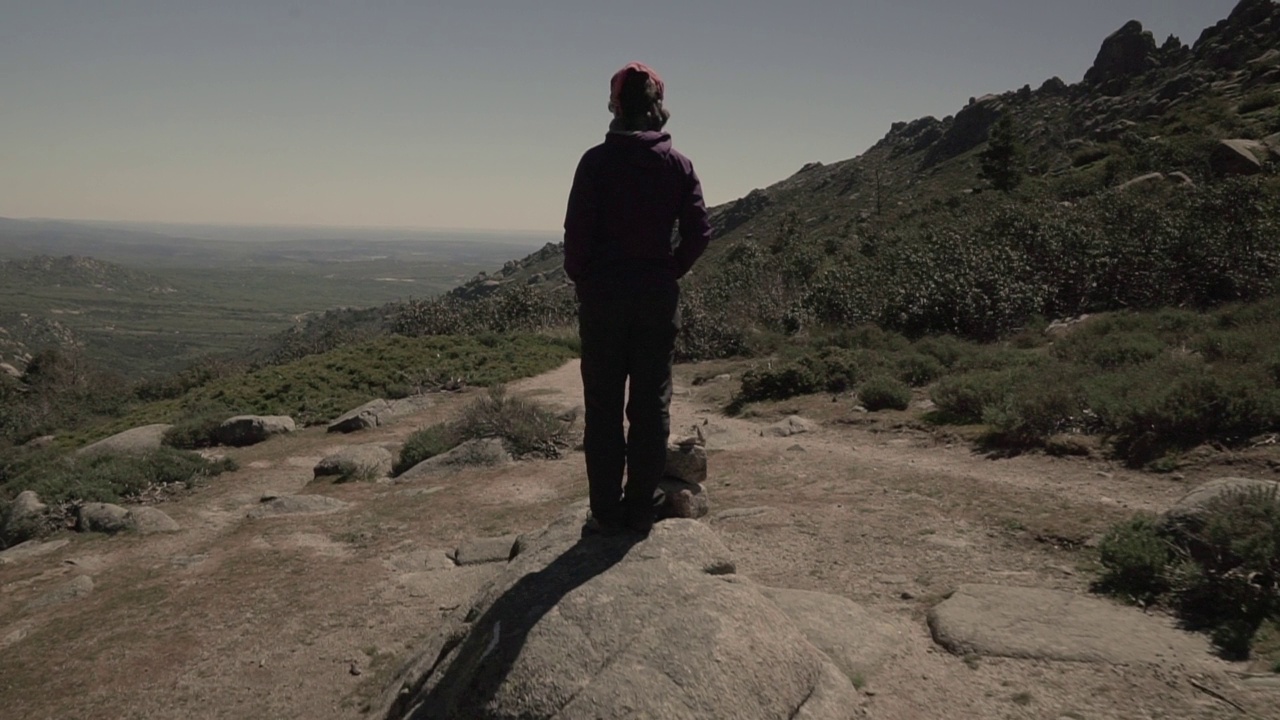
(1180, 178)
(619, 627)
(11, 371)
(969, 129)
(794, 425)
(43, 441)
(857, 640)
(102, 517)
(130, 442)
(487, 452)
(296, 505)
(149, 521)
(687, 462)
(1125, 53)
(1237, 157)
(683, 499)
(30, 549)
(364, 417)
(25, 518)
(356, 462)
(1272, 143)
(244, 430)
(1190, 510)
(484, 550)
(1043, 624)
(77, 588)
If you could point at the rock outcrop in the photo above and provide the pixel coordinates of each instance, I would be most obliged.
(24, 519)
(1127, 52)
(621, 627)
(1238, 157)
(136, 441)
(1190, 510)
(365, 417)
(998, 621)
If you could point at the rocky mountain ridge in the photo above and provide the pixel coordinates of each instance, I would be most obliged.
(1173, 100)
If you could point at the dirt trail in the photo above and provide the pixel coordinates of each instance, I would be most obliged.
(304, 616)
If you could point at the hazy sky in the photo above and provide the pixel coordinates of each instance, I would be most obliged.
(473, 113)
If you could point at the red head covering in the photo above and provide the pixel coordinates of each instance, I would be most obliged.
(615, 85)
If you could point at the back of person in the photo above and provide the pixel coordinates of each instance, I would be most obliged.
(628, 194)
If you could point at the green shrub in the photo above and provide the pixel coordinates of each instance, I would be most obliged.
(426, 444)
(1035, 410)
(946, 349)
(964, 398)
(1259, 100)
(831, 369)
(103, 477)
(1166, 405)
(1219, 569)
(196, 430)
(1111, 350)
(1135, 557)
(918, 369)
(884, 393)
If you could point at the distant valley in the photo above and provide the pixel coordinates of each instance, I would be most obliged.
(144, 303)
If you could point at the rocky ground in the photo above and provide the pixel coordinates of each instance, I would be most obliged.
(968, 576)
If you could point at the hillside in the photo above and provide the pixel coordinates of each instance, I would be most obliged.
(1144, 107)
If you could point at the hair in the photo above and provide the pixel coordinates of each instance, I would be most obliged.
(640, 104)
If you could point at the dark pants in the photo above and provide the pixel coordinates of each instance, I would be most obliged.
(628, 334)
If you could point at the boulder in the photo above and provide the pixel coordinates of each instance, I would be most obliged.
(271, 506)
(859, 641)
(1190, 510)
(1237, 157)
(149, 521)
(486, 452)
(137, 441)
(1039, 624)
(41, 442)
(687, 462)
(794, 425)
(244, 430)
(657, 627)
(1272, 143)
(31, 549)
(11, 371)
(1180, 178)
(682, 499)
(356, 462)
(25, 518)
(368, 415)
(102, 517)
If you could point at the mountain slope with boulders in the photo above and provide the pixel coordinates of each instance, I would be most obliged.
(1158, 121)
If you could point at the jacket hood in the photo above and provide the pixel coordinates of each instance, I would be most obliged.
(648, 148)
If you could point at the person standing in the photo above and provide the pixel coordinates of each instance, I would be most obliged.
(629, 193)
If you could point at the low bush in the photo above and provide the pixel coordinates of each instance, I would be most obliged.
(198, 429)
(884, 393)
(831, 369)
(1220, 570)
(526, 427)
(63, 479)
(964, 398)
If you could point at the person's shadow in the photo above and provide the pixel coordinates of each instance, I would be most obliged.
(485, 658)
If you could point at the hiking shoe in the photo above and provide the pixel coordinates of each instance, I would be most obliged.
(595, 526)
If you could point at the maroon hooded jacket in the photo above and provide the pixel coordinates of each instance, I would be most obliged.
(628, 194)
